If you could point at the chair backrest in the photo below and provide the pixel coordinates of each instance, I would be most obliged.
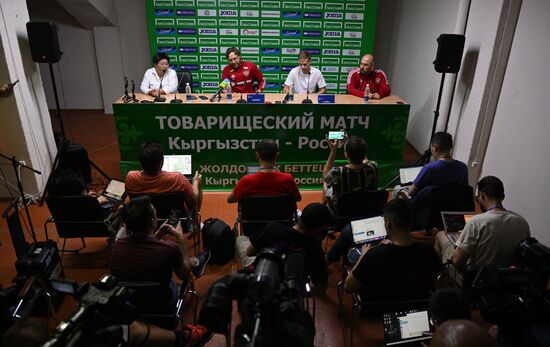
(359, 204)
(185, 77)
(256, 211)
(164, 202)
(430, 201)
(154, 303)
(78, 216)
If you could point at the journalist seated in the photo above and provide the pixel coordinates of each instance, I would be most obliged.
(65, 182)
(395, 257)
(149, 253)
(303, 237)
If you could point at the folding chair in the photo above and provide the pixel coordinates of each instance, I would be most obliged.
(257, 211)
(76, 217)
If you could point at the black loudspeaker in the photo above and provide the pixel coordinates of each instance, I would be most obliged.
(44, 42)
(449, 53)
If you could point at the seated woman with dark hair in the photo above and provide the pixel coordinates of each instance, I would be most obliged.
(64, 182)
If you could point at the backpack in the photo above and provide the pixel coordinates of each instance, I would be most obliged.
(219, 239)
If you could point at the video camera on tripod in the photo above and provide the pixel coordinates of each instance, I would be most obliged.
(270, 301)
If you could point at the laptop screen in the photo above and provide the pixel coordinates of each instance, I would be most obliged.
(406, 326)
(455, 221)
(408, 174)
(177, 163)
(368, 230)
(115, 190)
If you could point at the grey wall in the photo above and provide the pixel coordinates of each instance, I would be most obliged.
(519, 139)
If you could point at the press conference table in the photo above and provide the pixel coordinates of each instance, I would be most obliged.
(221, 135)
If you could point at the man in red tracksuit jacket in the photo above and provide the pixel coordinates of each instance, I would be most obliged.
(366, 73)
(241, 74)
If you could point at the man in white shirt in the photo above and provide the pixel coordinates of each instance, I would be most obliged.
(160, 79)
(305, 77)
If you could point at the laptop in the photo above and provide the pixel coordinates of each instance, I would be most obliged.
(368, 230)
(115, 190)
(178, 163)
(252, 169)
(454, 222)
(406, 327)
(407, 174)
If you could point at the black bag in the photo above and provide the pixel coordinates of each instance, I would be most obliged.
(219, 239)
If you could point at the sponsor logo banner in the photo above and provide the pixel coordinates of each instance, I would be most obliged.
(313, 6)
(190, 67)
(271, 4)
(313, 15)
(187, 31)
(290, 14)
(188, 59)
(342, 86)
(185, 13)
(229, 23)
(250, 23)
(287, 68)
(208, 31)
(186, 22)
(332, 86)
(313, 51)
(253, 58)
(209, 49)
(316, 43)
(167, 49)
(291, 33)
(333, 6)
(209, 76)
(250, 13)
(330, 78)
(269, 68)
(291, 42)
(209, 59)
(271, 60)
(270, 32)
(346, 69)
(271, 50)
(164, 21)
(311, 33)
(252, 42)
(334, 15)
(206, 3)
(313, 25)
(187, 49)
(228, 13)
(166, 40)
(163, 3)
(271, 23)
(353, 34)
(229, 41)
(331, 61)
(352, 44)
(326, 68)
(355, 7)
(353, 26)
(272, 85)
(350, 61)
(329, 33)
(290, 50)
(272, 77)
(250, 50)
(292, 5)
(228, 4)
(271, 14)
(206, 13)
(315, 60)
(250, 4)
(166, 31)
(271, 42)
(331, 51)
(291, 24)
(229, 32)
(210, 67)
(332, 43)
(187, 40)
(354, 16)
(332, 25)
(208, 41)
(163, 13)
(250, 32)
(208, 22)
(344, 78)
(185, 3)
(351, 52)
(205, 84)
(287, 60)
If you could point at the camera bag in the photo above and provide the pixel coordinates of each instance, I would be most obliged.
(219, 239)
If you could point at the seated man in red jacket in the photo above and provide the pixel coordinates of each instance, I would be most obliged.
(268, 180)
(366, 73)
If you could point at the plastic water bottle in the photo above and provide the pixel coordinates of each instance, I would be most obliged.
(229, 92)
(367, 92)
(290, 93)
(188, 95)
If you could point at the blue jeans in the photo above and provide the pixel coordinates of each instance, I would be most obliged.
(341, 246)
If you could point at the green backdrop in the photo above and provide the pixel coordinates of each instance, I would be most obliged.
(196, 33)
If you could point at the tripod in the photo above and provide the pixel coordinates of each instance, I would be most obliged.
(16, 163)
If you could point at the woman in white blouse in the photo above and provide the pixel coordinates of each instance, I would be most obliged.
(160, 79)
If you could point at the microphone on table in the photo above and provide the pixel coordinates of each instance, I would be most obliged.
(241, 100)
(126, 97)
(134, 92)
(176, 100)
(223, 84)
(255, 86)
(307, 100)
(159, 98)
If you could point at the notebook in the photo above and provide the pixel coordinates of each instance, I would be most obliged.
(368, 230)
(407, 174)
(407, 326)
(454, 222)
(178, 163)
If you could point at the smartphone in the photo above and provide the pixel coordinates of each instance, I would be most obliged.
(202, 97)
(336, 135)
(174, 217)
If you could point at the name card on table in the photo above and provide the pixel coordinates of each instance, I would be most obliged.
(255, 98)
(325, 99)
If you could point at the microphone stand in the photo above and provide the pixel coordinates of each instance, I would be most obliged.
(307, 100)
(15, 163)
(134, 92)
(158, 98)
(176, 100)
(241, 100)
(126, 97)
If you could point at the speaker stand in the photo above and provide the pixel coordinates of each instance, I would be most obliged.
(57, 108)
